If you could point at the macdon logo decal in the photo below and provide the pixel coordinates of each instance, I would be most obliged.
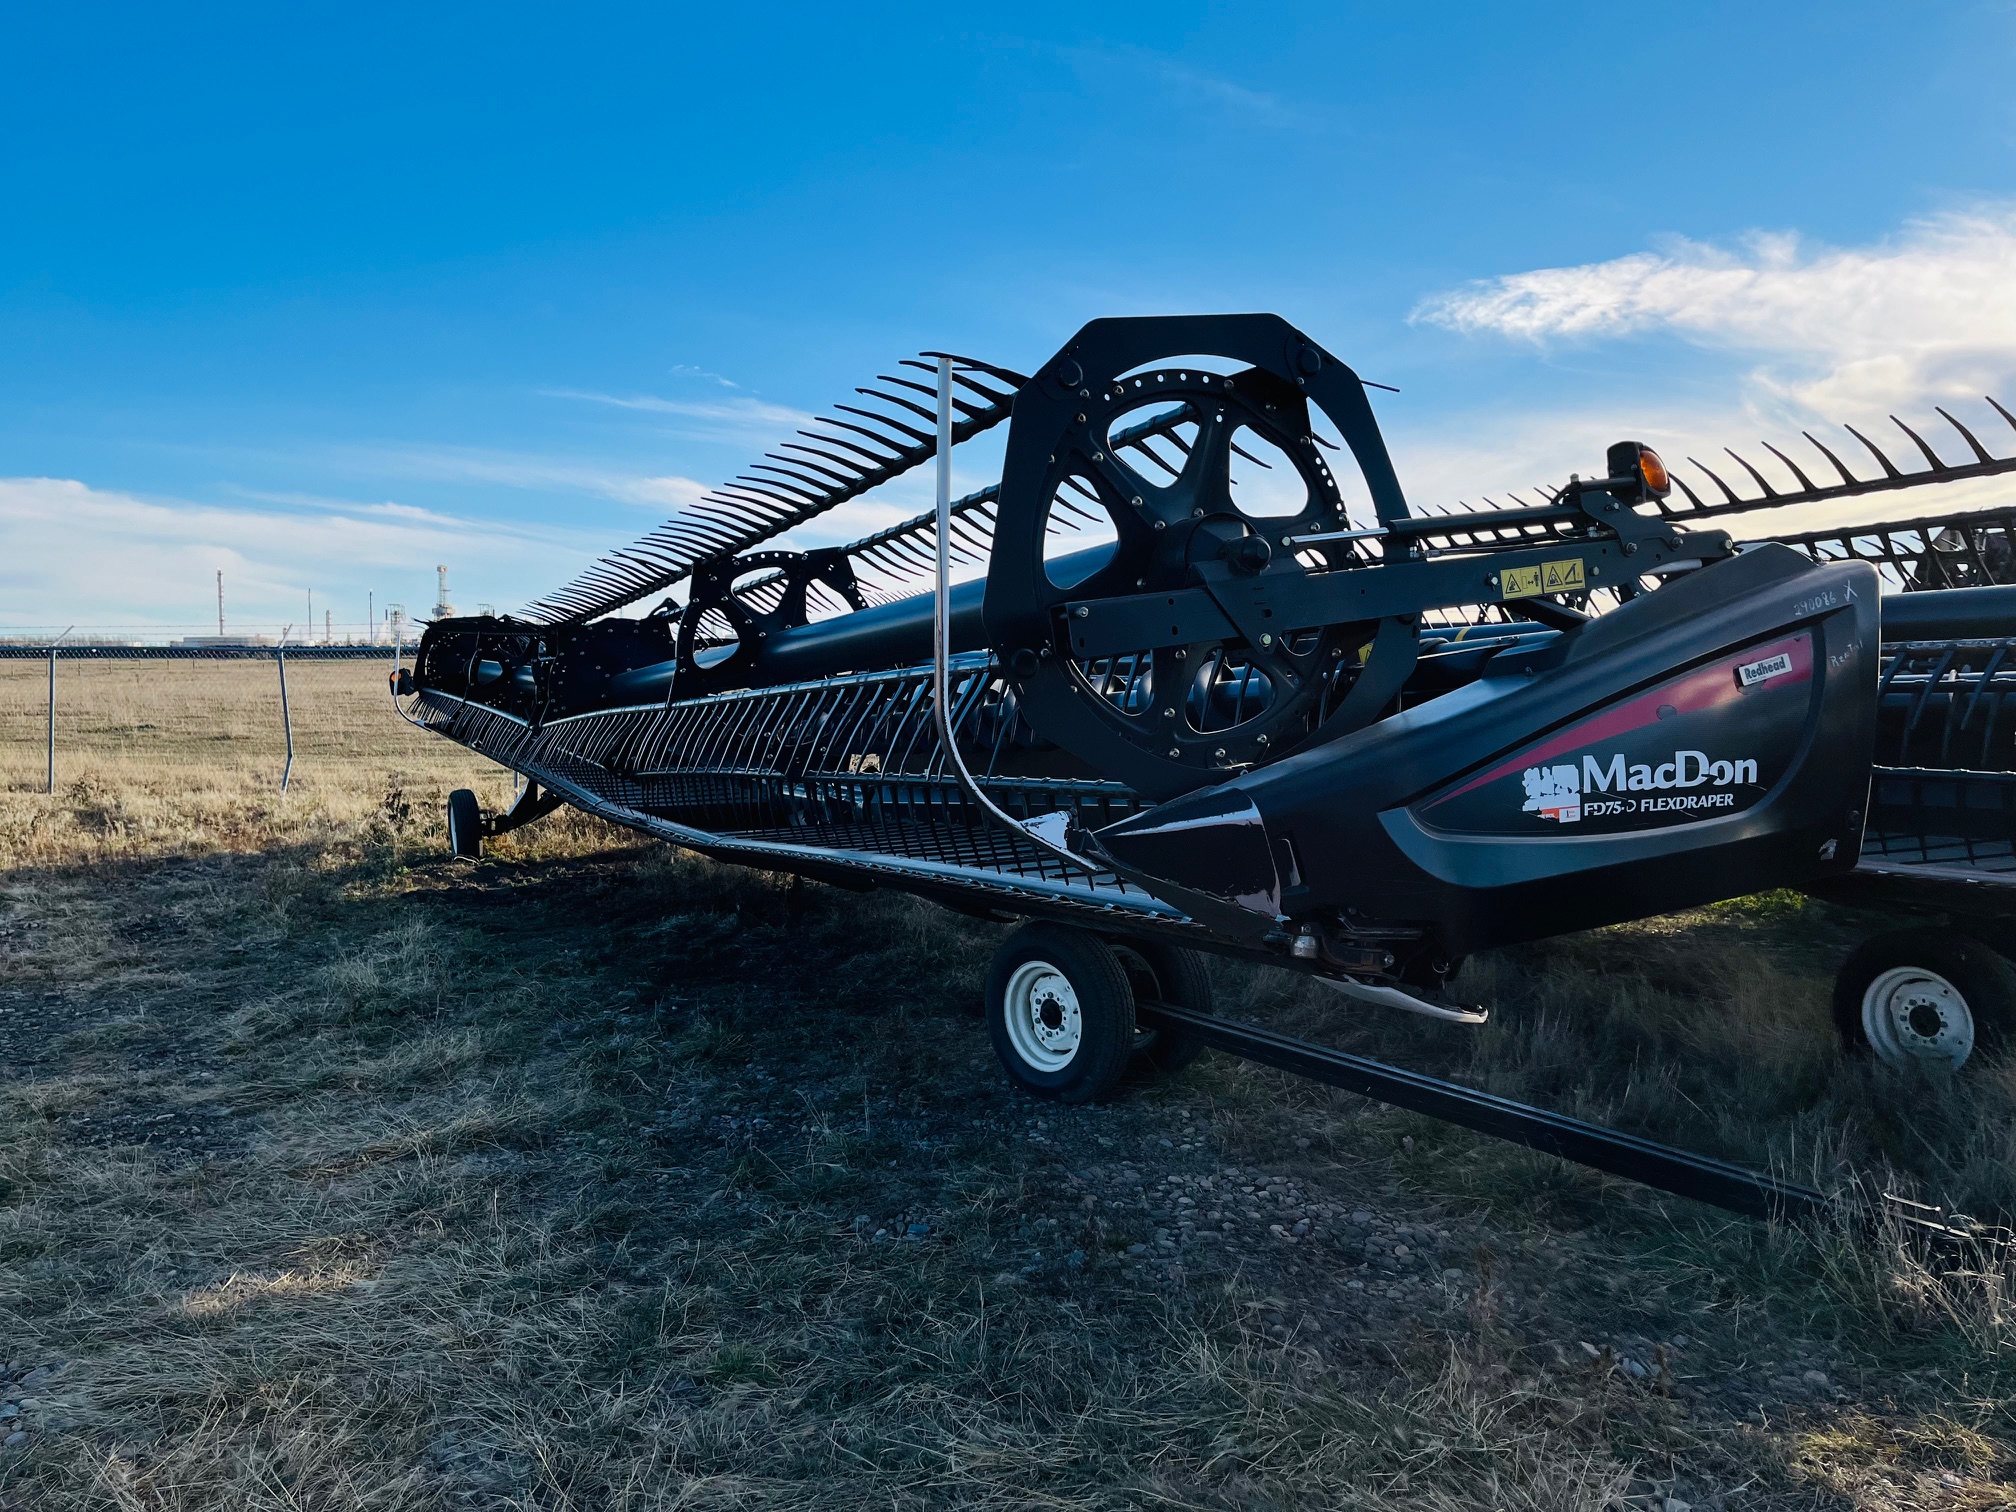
(1566, 792)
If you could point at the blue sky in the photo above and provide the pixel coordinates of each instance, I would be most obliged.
(322, 295)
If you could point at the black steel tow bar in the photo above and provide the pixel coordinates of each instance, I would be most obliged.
(1733, 1188)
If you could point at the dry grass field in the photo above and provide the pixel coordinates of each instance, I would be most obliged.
(337, 1174)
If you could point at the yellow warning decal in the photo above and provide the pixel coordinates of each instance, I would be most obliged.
(1562, 576)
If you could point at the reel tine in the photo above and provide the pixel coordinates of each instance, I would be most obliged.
(783, 492)
(876, 460)
(2000, 411)
(838, 476)
(1769, 491)
(1889, 468)
(856, 470)
(1804, 481)
(1980, 451)
(809, 479)
(885, 465)
(1727, 492)
(1007, 375)
(961, 405)
(1846, 476)
(1154, 456)
(900, 402)
(920, 437)
(1931, 457)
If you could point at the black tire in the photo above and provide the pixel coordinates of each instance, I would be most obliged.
(465, 825)
(1931, 996)
(1066, 1039)
(1161, 972)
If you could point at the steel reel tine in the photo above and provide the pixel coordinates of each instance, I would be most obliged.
(1727, 492)
(1931, 457)
(763, 488)
(1769, 491)
(901, 452)
(920, 437)
(2000, 411)
(1007, 375)
(898, 399)
(1804, 481)
(799, 472)
(842, 472)
(792, 494)
(875, 459)
(1980, 451)
(1847, 478)
(854, 468)
(992, 396)
(963, 406)
(1889, 468)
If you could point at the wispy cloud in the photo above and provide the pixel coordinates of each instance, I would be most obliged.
(687, 370)
(154, 561)
(517, 470)
(1259, 105)
(1922, 315)
(726, 419)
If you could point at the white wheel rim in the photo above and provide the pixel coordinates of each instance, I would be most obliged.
(1913, 1017)
(1044, 1022)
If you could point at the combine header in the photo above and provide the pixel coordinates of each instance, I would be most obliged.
(1209, 683)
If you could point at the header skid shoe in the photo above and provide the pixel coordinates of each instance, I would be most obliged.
(1710, 739)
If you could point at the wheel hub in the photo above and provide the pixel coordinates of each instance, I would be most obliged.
(1915, 1016)
(1045, 1023)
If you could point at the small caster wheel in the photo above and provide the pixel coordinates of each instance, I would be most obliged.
(465, 825)
(1163, 973)
(1933, 998)
(1060, 1012)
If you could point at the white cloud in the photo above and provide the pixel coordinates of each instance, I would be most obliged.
(103, 558)
(724, 419)
(516, 470)
(1924, 315)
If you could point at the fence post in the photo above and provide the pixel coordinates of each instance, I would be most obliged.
(286, 721)
(52, 708)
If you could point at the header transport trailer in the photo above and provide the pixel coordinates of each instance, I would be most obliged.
(1209, 684)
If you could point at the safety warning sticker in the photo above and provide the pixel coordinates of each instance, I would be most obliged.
(1562, 576)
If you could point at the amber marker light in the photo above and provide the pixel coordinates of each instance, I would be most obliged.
(1653, 471)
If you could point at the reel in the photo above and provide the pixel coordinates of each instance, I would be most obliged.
(723, 625)
(1207, 479)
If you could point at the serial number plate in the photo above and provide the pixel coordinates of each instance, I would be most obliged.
(1563, 576)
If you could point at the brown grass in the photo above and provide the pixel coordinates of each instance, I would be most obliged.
(335, 1174)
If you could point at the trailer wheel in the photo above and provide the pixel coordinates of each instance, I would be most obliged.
(465, 825)
(1060, 1012)
(1924, 997)
(1163, 973)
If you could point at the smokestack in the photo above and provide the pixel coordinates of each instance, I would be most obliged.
(328, 629)
(220, 603)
